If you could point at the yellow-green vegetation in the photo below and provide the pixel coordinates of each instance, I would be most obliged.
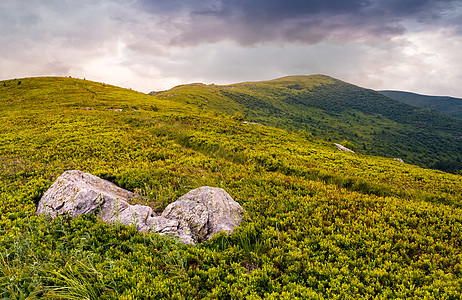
(320, 224)
(334, 110)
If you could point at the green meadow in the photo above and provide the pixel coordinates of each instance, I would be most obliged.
(319, 224)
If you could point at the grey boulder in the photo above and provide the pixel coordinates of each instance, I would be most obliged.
(194, 217)
(343, 148)
(204, 212)
(77, 193)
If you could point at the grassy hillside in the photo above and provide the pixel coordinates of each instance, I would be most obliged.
(447, 105)
(336, 111)
(320, 224)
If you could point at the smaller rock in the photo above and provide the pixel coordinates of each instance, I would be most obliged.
(343, 148)
(399, 159)
(122, 212)
(162, 225)
(205, 211)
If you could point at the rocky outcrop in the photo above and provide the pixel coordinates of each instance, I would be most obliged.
(194, 217)
(399, 159)
(77, 193)
(205, 211)
(343, 148)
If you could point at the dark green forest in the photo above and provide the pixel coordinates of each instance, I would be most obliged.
(448, 105)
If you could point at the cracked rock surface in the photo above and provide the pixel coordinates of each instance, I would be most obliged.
(205, 211)
(194, 217)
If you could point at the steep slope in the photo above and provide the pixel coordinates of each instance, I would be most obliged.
(447, 105)
(320, 223)
(335, 111)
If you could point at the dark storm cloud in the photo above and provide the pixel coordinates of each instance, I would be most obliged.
(146, 45)
(296, 21)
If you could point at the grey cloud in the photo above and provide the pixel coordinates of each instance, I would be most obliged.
(47, 24)
(152, 25)
(295, 21)
(53, 37)
(150, 44)
(288, 9)
(179, 6)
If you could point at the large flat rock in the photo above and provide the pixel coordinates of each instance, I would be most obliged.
(77, 193)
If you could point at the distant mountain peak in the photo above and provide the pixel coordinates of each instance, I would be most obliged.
(334, 110)
(447, 105)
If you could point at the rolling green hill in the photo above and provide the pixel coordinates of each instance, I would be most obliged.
(448, 105)
(320, 224)
(336, 111)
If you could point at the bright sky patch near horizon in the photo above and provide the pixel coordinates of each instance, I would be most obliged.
(146, 45)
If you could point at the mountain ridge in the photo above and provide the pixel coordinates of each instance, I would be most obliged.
(334, 110)
(450, 106)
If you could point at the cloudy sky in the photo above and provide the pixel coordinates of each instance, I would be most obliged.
(412, 45)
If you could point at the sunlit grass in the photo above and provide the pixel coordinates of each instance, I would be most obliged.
(319, 224)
